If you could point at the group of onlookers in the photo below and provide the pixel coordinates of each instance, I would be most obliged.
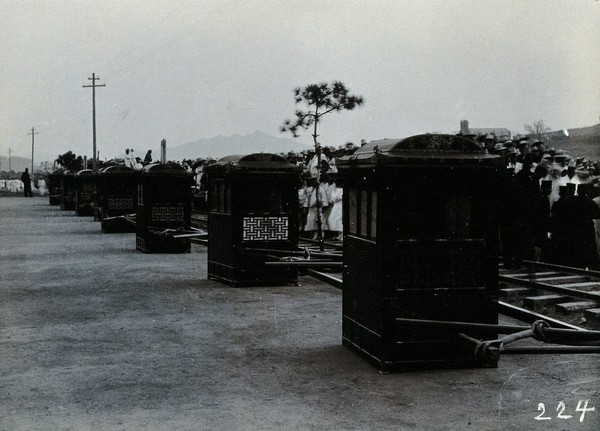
(132, 161)
(25, 184)
(551, 208)
(321, 207)
(320, 193)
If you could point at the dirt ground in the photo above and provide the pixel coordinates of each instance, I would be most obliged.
(95, 335)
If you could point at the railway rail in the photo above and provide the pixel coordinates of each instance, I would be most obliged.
(199, 219)
(567, 297)
(560, 305)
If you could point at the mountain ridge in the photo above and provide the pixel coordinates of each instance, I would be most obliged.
(17, 164)
(220, 146)
(579, 142)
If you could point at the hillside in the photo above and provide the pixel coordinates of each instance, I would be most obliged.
(18, 164)
(220, 146)
(580, 142)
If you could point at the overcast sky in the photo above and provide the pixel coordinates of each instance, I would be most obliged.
(191, 69)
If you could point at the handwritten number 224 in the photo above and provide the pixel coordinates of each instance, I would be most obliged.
(561, 409)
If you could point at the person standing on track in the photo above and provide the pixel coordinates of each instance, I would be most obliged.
(26, 179)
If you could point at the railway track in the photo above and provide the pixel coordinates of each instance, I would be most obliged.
(200, 219)
(565, 297)
(550, 298)
(561, 304)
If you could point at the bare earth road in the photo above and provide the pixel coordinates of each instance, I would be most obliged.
(95, 335)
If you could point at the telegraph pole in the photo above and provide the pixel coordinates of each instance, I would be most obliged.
(32, 133)
(93, 86)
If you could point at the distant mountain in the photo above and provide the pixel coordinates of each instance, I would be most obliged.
(17, 164)
(220, 146)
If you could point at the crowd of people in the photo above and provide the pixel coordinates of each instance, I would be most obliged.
(25, 184)
(550, 210)
(320, 193)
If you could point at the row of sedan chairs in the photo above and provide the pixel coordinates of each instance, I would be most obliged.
(151, 202)
(420, 234)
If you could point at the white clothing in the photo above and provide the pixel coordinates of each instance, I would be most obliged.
(133, 160)
(42, 187)
(311, 219)
(325, 208)
(332, 166)
(335, 216)
(15, 186)
(127, 160)
(563, 181)
(303, 197)
(313, 166)
(518, 167)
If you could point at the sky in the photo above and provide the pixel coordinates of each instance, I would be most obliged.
(183, 70)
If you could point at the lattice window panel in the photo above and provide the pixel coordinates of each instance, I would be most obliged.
(265, 229)
(167, 214)
(120, 203)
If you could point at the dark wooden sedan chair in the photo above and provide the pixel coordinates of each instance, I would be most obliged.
(420, 242)
(164, 206)
(253, 205)
(54, 184)
(84, 192)
(116, 198)
(67, 191)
